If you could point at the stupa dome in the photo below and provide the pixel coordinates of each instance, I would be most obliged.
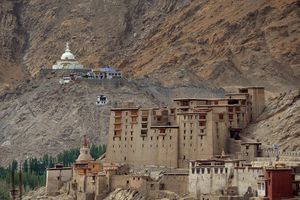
(68, 54)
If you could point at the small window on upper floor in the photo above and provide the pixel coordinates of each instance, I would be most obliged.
(243, 102)
(221, 116)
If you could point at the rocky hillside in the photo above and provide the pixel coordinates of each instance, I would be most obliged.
(13, 40)
(46, 117)
(223, 43)
(280, 122)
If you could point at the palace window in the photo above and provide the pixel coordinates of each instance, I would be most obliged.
(202, 123)
(162, 130)
(202, 116)
(221, 116)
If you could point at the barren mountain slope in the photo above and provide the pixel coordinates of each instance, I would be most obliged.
(279, 123)
(222, 43)
(96, 29)
(46, 117)
(12, 39)
(226, 43)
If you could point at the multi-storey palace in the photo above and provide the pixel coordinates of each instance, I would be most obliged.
(190, 129)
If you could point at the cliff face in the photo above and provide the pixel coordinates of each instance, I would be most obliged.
(219, 43)
(279, 123)
(225, 43)
(13, 43)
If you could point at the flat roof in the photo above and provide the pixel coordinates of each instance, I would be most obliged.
(63, 168)
(177, 173)
(198, 99)
(279, 169)
(165, 126)
(259, 143)
(123, 108)
(194, 113)
(236, 93)
(225, 105)
(252, 87)
(218, 160)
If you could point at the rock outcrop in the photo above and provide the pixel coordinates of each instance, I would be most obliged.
(279, 123)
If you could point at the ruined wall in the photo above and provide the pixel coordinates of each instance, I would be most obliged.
(177, 183)
(55, 178)
(127, 181)
(257, 98)
(215, 180)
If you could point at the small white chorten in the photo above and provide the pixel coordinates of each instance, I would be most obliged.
(67, 61)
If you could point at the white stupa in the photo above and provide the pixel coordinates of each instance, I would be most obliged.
(67, 61)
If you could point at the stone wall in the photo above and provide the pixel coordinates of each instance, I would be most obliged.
(272, 153)
(216, 180)
(177, 183)
(56, 178)
(127, 181)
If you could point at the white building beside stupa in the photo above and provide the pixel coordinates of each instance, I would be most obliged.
(67, 61)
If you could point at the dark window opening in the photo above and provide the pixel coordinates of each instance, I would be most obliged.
(184, 103)
(221, 116)
(162, 130)
(202, 123)
(235, 134)
(233, 101)
(161, 186)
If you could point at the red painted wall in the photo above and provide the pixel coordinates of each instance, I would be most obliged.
(279, 183)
